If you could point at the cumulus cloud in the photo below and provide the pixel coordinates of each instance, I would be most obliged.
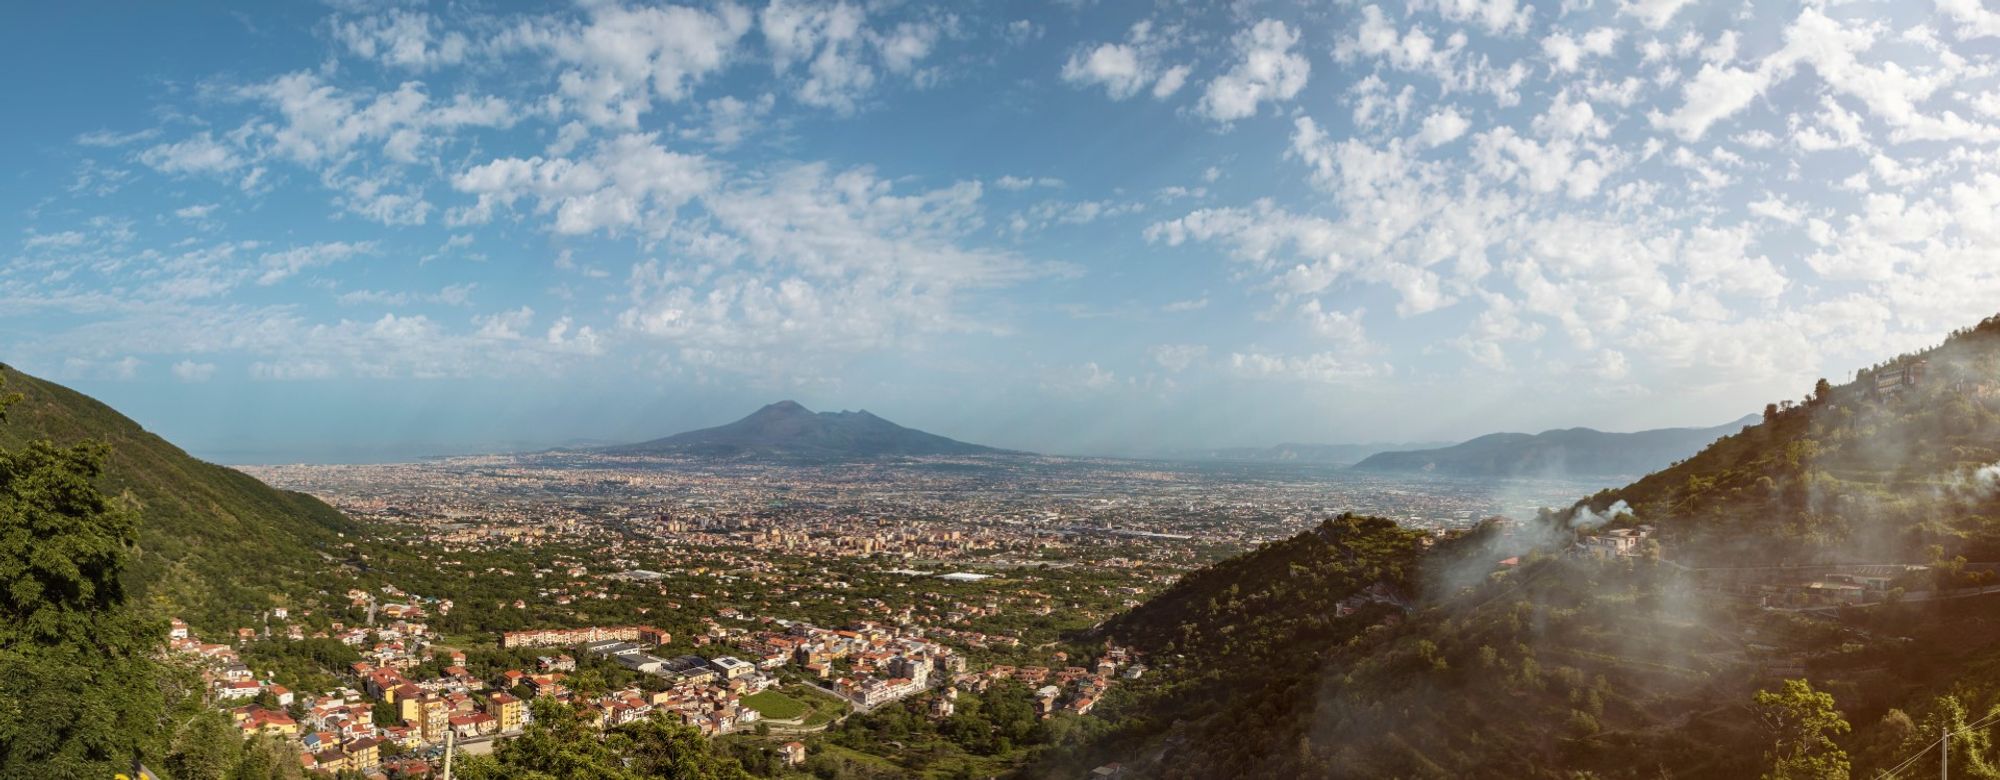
(629, 182)
(1267, 70)
(405, 39)
(1124, 69)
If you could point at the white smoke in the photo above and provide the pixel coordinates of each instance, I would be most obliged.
(1585, 519)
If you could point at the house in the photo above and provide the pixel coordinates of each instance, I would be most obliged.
(795, 753)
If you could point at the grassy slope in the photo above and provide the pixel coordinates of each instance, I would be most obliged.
(215, 543)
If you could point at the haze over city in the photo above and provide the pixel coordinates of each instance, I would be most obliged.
(361, 231)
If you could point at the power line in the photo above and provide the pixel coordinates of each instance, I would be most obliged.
(1893, 771)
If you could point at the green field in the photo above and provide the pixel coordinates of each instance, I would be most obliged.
(775, 705)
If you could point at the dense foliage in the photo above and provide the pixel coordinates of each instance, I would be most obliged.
(560, 745)
(1519, 657)
(216, 546)
(1851, 473)
(77, 680)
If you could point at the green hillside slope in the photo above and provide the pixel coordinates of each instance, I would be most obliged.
(1876, 469)
(216, 546)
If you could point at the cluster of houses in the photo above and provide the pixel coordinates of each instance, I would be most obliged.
(342, 730)
(1074, 689)
(881, 663)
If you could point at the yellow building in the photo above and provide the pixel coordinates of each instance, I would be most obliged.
(364, 754)
(508, 709)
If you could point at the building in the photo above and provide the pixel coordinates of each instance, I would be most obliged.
(1889, 381)
(566, 637)
(508, 709)
(795, 753)
(364, 754)
(1616, 543)
(732, 668)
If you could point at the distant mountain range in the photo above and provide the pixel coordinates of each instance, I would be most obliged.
(787, 431)
(1291, 452)
(1566, 452)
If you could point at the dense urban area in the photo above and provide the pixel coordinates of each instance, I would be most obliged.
(774, 607)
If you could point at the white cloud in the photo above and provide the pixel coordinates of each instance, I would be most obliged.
(1177, 357)
(623, 58)
(810, 262)
(1018, 183)
(630, 182)
(1442, 127)
(1318, 367)
(505, 325)
(124, 369)
(1086, 377)
(1125, 69)
(1268, 71)
(1974, 20)
(278, 266)
(1567, 53)
(1497, 17)
(196, 212)
(1342, 328)
(190, 371)
(1654, 13)
(840, 53)
(200, 153)
(405, 39)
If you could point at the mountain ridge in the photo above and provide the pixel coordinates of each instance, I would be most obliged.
(1299, 452)
(787, 430)
(1576, 451)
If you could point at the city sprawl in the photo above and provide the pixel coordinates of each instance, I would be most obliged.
(740, 597)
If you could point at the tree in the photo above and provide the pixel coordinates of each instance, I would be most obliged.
(560, 745)
(1971, 748)
(204, 748)
(659, 748)
(268, 758)
(82, 695)
(1803, 723)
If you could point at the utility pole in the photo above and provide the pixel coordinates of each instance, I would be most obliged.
(450, 744)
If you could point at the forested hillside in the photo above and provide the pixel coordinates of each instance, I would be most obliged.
(1525, 649)
(215, 545)
(1882, 468)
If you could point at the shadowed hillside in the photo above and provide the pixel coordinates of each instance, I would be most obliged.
(1845, 546)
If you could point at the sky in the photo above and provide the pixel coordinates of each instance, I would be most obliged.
(361, 231)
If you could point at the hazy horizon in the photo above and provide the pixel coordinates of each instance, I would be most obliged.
(377, 231)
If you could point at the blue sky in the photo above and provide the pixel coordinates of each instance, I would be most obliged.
(366, 230)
